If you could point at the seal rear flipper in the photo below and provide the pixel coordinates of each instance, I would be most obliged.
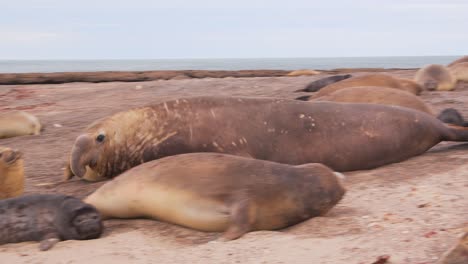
(241, 219)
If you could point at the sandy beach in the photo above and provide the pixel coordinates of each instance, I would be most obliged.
(412, 211)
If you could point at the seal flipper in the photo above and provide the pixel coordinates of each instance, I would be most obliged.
(303, 98)
(240, 221)
(452, 116)
(48, 242)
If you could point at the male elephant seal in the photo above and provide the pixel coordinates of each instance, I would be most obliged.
(460, 71)
(218, 192)
(457, 254)
(343, 136)
(18, 123)
(377, 79)
(460, 60)
(11, 173)
(48, 218)
(435, 77)
(320, 83)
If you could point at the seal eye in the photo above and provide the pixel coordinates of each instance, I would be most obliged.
(100, 138)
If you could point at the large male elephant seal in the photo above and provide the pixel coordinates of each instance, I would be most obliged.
(342, 136)
(18, 123)
(218, 192)
(435, 77)
(377, 79)
(11, 173)
(320, 83)
(48, 218)
(460, 71)
(460, 60)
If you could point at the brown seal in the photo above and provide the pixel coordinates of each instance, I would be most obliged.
(460, 60)
(18, 123)
(221, 193)
(345, 137)
(457, 254)
(303, 72)
(377, 79)
(48, 218)
(11, 173)
(460, 71)
(435, 77)
(320, 83)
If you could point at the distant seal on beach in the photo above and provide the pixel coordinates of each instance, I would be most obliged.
(222, 193)
(377, 79)
(435, 77)
(320, 83)
(344, 137)
(460, 71)
(377, 95)
(303, 72)
(460, 60)
(18, 123)
(11, 173)
(457, 254)
(48, 218)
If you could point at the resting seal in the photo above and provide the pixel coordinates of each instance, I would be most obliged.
(320, 83)
(460, 71)
(220, 193)
(303, 72)
(458, 254)
(460, 60)
(342, 136)
(47, 218)
(435, 77)
(18, 123)
(11, 173)
(382, 80)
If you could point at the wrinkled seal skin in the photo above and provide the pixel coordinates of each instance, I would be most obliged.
(458, 254)
(343, 136)
(11, 173)
(19, 123)
(435, 77)
(377, 79)
(460, 71)
(320, 83)
(47, 218)
(220, 193)
(377, 95)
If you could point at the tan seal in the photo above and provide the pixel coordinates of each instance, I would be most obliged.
(457, 254)
(460, 60)
(18, 123)
(11, 173)
(435, 77)
(220, 193)
(460, 71)
(303, 72)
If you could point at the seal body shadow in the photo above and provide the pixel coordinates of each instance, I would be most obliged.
(220, 193)
(47, 218)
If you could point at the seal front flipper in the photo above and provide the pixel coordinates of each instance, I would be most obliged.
(241, 219)
(48, 242)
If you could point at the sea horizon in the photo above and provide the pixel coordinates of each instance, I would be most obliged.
(293, 63)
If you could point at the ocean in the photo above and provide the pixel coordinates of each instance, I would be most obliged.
(24, 66)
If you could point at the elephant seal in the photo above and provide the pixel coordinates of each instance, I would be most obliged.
(48, 218)
(303, 72)
(377, 95)
(435, 77)
(460, 71)
(11, 173)
(320, 83)
(18, 123)
(343, 136)
(460, 60)
(221, 193)
(457, 254)
(376, 79)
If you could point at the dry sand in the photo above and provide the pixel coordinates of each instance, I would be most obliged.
(412, 211)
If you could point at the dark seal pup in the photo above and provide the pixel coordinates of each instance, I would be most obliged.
(343, 136)
(220, 193)
(320, 83)
(47, 218)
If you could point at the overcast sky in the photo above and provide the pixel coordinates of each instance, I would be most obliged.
(144, 29)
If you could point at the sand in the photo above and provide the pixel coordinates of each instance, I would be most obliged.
(411, 211)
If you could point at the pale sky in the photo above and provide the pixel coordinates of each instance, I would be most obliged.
(144, 29)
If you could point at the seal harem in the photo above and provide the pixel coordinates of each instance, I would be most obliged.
(218, 192)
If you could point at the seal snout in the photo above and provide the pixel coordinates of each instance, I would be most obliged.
(82, 155)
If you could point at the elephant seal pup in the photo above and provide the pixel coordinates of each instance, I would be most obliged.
(376, 79)
(460, 71)
(303, 72)
(48, 218)
(435, 77)
(11, 173)
(320, 83)
(218, 192)
(18, 123)
(458, 254)
(460, 60)
(343, 136)
(377, 95)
